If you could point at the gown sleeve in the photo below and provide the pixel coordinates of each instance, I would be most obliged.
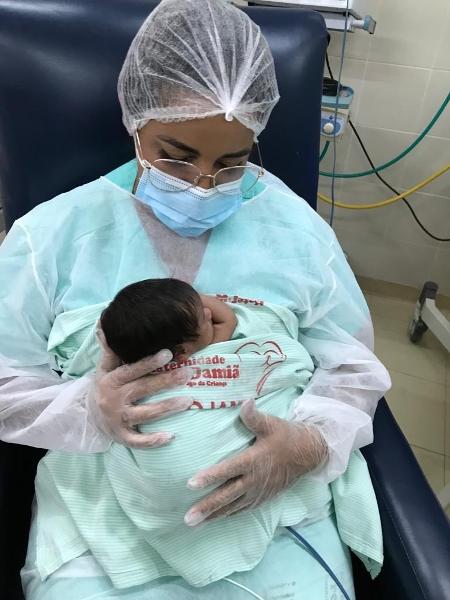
(348, 381)
(37, 407)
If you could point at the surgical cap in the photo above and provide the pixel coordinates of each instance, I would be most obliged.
(198, 58)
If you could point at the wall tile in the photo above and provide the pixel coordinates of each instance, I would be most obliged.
(447, 314)
(437, 91)
(323, 211)
(429, 156)
(392, 97)
(342, 148)
(358, 42)
(432, 465)
(360, 191)
(325, 188)
(349, 225)
(361, 226)
(430, 210)
(363, 258)
(397, 93)
(442, 59)
(447, 425)
(356, 45)
(353, 74)
(440, 272)
(398, 262)
(382, 145)
(409, 264)
(408, 32)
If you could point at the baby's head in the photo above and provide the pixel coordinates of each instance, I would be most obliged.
(153, 314)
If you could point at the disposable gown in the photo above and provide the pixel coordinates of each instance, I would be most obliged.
(81, 247)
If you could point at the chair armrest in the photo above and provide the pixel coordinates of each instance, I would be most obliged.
(415, 528)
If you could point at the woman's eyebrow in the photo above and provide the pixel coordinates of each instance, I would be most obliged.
(237, 154)
(193, 151)
(177, 144)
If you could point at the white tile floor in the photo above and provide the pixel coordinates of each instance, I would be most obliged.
(420, 395)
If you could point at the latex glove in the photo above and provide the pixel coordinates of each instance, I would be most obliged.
(118, 387)
(281, 452)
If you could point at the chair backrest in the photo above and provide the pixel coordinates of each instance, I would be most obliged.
(60, 126)
(60, 120)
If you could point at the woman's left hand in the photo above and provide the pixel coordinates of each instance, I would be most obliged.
(281, 452)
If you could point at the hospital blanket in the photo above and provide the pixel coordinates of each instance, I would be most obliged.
(127, 506)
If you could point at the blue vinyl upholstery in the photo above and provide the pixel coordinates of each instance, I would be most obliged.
(60, 121)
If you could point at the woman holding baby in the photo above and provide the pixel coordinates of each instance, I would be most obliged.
(143, 495)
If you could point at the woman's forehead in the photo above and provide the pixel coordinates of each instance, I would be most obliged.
(212, 135)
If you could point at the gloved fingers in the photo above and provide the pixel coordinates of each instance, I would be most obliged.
(130, 372)
(108, 360)
(225, 470)
(152, 384)
(133, 439)
(233, 508)
(217, 500)
(253, 419)
(136, 415)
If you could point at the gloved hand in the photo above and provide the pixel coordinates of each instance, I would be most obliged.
(118, 387)
(281, 452)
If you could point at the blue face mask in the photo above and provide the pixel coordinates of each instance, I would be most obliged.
(187, 212)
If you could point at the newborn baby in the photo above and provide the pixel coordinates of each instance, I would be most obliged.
(239, 349)
(131, 517)
(153, 314)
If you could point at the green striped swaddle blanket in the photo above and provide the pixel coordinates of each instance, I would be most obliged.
(127, 506)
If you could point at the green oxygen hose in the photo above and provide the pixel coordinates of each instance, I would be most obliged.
(324, 151)
(397, 158)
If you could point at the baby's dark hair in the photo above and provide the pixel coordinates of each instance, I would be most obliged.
(150, 315)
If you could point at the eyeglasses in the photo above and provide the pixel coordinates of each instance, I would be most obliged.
(224, 180)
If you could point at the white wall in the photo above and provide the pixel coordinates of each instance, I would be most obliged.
(400, 76)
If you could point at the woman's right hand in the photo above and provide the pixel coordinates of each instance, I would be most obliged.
(118, 387)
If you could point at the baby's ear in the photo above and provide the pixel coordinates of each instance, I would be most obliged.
(179, 352)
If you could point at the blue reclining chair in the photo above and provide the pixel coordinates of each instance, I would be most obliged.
(60, 126)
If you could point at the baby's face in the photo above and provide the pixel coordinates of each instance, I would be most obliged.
(206, 333)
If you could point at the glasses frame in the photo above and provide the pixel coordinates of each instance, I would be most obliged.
(149, 165)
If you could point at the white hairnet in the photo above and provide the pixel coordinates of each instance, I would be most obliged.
(198, 58)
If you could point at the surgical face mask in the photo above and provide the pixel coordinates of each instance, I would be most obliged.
(188, 212)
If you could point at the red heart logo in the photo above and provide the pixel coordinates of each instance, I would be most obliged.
(271, 354)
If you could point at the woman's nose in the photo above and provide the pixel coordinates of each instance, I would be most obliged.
(206, 166)
(206, 182)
